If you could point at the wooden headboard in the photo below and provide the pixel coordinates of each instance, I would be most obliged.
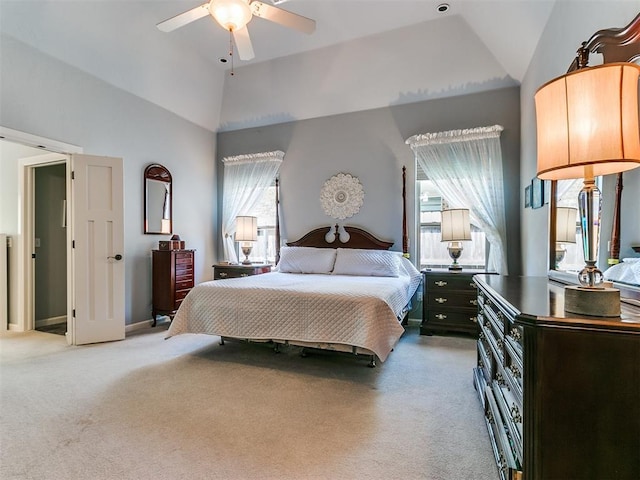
(358, 238)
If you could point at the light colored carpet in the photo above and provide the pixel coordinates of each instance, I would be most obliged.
(188, 408)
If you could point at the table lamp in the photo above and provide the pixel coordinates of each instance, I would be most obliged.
(246, 234)
(588, 125)
(455, 228)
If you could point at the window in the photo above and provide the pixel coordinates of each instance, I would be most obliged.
(432, 251)
(247, 178)
(264, 250)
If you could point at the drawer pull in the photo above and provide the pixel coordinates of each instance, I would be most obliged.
(441, 300)
(441, 316)
(474, 319)
(472, 285)
(440, 283)
(244, 274)
(223, 274)
(515, 413)
(474, 302)
(515, 334)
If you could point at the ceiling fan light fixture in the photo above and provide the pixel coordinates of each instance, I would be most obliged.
(232, 15)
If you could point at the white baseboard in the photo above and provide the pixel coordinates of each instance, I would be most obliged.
(134, 327)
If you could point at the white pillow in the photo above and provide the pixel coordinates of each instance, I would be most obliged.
(375, 263)
(306, 260)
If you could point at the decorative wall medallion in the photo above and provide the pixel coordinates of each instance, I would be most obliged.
(342, 196)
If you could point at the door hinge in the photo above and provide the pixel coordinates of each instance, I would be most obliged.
(33, 255)
(73, 175)
(73, 314)
(73, 244)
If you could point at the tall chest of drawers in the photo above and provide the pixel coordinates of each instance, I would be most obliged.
(173, 277)
(449, 302)
(561, 393)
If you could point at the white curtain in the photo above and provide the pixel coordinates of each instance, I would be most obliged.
(246, 177)
(466, 167)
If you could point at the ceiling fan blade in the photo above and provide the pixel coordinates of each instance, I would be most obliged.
(184, 18)
(243, 43)
(283, 17)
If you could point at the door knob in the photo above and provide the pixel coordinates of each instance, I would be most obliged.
(117, 257)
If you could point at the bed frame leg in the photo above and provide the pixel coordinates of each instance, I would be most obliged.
(303, 352)
(372, 362)
(276, 347)
(222, 341)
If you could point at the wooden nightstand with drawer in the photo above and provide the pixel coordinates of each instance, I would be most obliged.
(225, 270)
(450, 302)
(173, 278)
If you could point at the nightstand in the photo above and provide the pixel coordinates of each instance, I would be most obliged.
(450, 302)
(222, 271)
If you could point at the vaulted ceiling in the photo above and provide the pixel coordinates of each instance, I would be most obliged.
(182, 71)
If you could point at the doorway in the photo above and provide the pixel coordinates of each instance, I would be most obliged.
(94, 239)
(50, 248)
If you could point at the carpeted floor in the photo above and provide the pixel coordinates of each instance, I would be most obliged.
(188, 408)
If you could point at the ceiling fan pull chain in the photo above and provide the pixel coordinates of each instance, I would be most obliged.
(231, 49)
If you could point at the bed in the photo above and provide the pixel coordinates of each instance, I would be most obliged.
(337, 288)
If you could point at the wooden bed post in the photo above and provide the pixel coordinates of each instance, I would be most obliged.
(277, 221)
(614, 254)
(405, 235)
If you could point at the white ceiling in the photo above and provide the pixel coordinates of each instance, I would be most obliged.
(117, 41)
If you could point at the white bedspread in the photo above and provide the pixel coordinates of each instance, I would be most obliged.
(339, 309)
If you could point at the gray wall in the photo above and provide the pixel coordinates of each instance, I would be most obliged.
(371, 145)
(570, 24)
(51, 253)
(43, 96)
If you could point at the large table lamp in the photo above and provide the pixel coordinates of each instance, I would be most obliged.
(455, 228)
(588, 125)
(246, 234)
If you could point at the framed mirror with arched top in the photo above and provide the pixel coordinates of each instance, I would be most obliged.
(158, 200)
(613, 45)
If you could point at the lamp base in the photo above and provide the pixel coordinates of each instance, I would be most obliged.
(596, 302)
(455, 250)
(246, 249)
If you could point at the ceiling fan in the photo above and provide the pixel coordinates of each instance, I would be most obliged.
(233, 16)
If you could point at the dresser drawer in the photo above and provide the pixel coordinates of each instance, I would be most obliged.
(437, 282)
(446, 298)
(505, 459)
(184, 284)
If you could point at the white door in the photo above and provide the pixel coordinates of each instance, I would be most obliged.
(97, 210)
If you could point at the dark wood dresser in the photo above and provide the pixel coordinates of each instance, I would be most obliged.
(173, 277)
(561, 393)
(222, 271)
(450, 302)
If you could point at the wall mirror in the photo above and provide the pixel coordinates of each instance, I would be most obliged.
(614, 45)
(158, 200)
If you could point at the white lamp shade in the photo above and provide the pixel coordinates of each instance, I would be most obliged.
(246, 229)
(455, 225)
(588, 122)
(566, 224)
(231, 14)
